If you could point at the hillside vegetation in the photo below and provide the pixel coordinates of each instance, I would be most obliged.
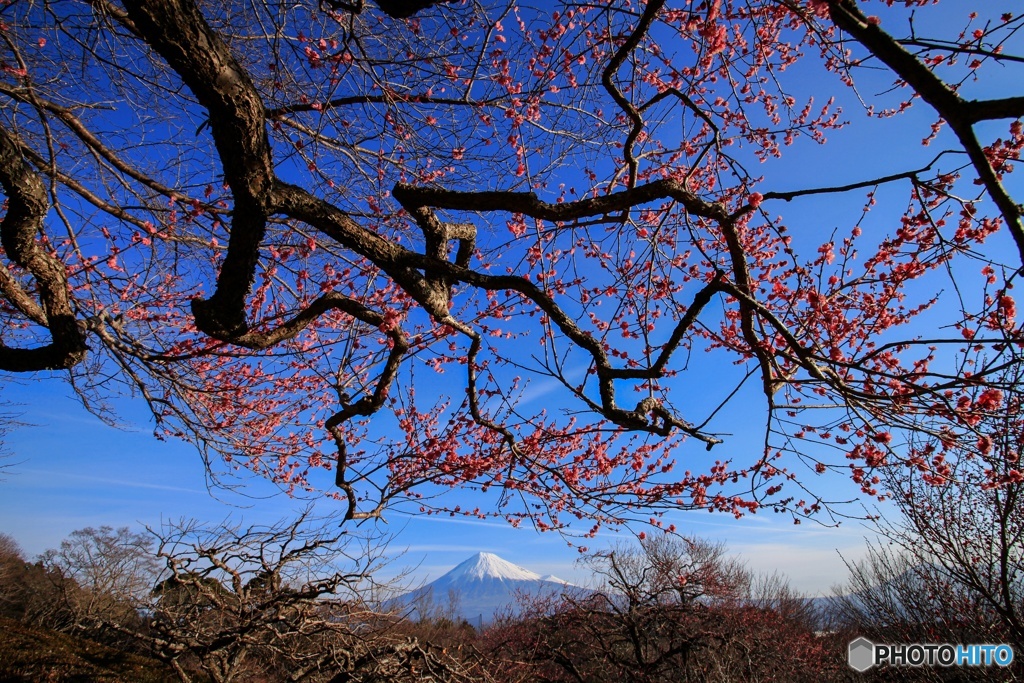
(31, 653)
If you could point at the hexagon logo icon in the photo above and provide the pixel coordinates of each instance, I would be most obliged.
(861, 654)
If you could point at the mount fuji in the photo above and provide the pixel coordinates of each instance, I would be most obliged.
(478, 588)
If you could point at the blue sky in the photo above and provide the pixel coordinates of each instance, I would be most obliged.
(68, 470)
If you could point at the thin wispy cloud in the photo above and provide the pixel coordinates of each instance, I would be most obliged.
(128, 483)
(451, 520)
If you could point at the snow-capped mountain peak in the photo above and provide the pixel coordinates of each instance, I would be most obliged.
(479, 588)
(490, 566)
(554, 579)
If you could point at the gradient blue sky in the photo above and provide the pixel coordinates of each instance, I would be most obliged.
(68, 470)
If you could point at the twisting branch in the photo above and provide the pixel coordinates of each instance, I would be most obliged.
(437, 235)
(637, 419)
(179, 33)
(21, 226)
(365, 406)
(472, 392)
(527, 203)
(292, 327)
(607, 79)
(416, 199)
(772, 377)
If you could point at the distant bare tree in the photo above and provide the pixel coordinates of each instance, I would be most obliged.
(672, 570)
(11, 561)
(28, 593)
(285, 601)
(774, 593)
(896, 596)
(101, 575)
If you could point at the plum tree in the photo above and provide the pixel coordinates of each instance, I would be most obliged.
(370, 239)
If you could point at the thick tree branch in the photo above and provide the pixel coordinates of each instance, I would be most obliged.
(20, 299)
(22, 225)
(974, 111)
(178, 32)
(397, 261)
(527, 203)
(960, 114)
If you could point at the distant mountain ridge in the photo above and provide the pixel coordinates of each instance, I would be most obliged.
(478, 588)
